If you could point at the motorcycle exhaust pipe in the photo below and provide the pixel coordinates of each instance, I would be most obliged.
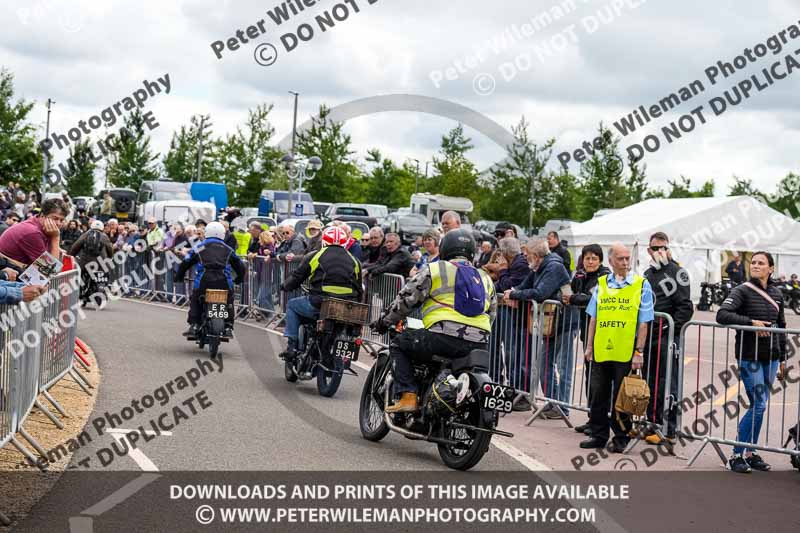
(410, 434)
(485, 430)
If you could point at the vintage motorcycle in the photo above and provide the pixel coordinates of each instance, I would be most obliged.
(94, 288)
(791, 297)
(212, 328)
(459, 408)
(329, 345)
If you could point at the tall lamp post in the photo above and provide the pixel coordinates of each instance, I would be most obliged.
(46, 161)
(294, 138)
(416, 177)
(300, 169)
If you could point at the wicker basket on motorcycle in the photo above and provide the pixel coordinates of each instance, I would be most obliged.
(344, 311)
(216, 296)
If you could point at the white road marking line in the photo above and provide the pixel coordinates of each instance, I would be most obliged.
(136, 454)
(521, 457)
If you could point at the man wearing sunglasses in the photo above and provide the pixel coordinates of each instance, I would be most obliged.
(292, 244)
(670, 283)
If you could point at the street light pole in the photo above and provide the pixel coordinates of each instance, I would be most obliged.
(200, 148)
(416, 176)
(50, 102)
(294, 137)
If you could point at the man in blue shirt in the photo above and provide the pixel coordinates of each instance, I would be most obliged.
(12, 292)
(614, 344)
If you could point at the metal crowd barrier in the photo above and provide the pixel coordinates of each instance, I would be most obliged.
(717, 399)
(513, 344)
(560, 377)
(380, 293)
(37, 344)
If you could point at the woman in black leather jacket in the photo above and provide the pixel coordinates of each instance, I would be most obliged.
(755, 303)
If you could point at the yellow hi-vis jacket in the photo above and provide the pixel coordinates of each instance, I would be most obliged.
(440, 304)
(617, 315)
(242, 242)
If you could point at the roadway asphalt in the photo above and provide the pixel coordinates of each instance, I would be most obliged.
(257, 422)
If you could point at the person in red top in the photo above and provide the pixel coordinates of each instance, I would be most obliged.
(26, 241)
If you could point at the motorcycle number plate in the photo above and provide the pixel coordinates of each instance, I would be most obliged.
(346, 350)
(218, 310)
(497, 397)
(100, 278)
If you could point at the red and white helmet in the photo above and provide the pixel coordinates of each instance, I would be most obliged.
(334, 236)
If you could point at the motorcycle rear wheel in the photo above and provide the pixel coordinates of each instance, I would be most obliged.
(328, 382)
(473, 445)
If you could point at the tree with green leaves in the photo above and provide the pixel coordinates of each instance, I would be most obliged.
(786, 198)
(602, 181)
(180, 163)
(682, 188)
(247, 161)
(567, 198)
(744, 187)
(339, 180)
(455, 175)
(388, 184)
(520, 190)
(131, 160)
(80, 180)
(20, 161)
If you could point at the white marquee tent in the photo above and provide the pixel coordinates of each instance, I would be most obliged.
(702, 231)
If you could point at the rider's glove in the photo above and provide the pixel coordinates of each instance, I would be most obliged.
(379, 327)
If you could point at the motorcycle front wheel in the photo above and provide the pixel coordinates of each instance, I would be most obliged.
(371, 420)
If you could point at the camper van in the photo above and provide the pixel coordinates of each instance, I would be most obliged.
(433, 206)
(170, 201)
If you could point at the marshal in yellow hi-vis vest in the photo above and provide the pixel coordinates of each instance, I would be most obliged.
(242, 242)
(443, 277)
(617, 314)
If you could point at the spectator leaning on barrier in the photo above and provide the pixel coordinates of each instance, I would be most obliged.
(255, 230)
(26, 241)
(760, 354)
(517, 267)
(396, 261)
(559, 249)
(352, 245)
(620, 308)
(11, 219)
(152, 234)
(670, 284)
(12, 292)
(583, 284)
(543, 283)
(735, 270)
(292, 244)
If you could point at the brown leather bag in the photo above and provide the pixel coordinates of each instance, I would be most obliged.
(633, 396)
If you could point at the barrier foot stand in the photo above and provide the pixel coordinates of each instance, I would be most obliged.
(4, 520)
(564, 417)
(537, 413)
(81, 362)
(55, 404)
(719, 452)
(82, 383)
(697, 453)
(48, 414)
(28, 455)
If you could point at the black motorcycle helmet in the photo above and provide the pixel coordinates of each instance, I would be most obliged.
(457, 243)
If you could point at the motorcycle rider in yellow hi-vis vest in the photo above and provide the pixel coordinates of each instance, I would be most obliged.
(454, 324)
(620, 308)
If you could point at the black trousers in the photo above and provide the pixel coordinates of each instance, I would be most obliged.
(421, 345)
(606, 380)
(196, 306)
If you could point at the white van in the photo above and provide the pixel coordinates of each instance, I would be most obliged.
(433, 206)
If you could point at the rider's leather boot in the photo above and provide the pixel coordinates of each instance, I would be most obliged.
(406, 404)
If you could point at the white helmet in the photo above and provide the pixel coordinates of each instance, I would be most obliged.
(215, 230)
(98, 225)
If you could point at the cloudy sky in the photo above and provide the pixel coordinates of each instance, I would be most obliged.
(87, 55)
